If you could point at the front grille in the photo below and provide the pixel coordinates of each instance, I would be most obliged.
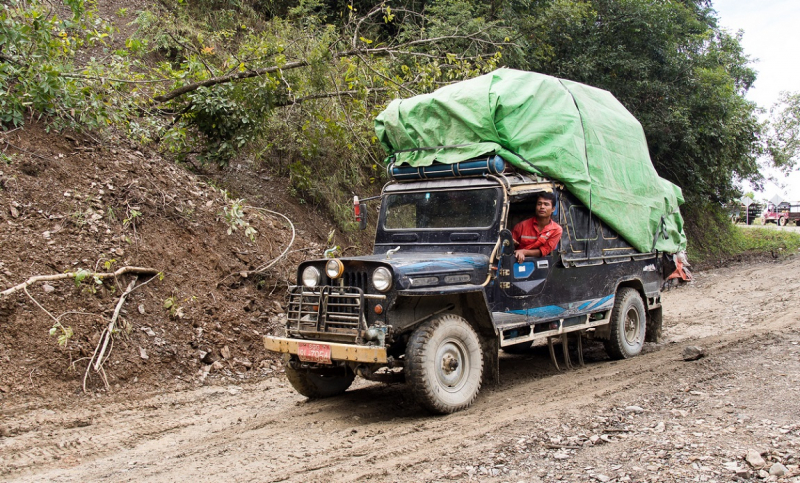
(351, 278)
(327, 310)
(356, 279)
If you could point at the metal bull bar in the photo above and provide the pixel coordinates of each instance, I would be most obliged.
(327, 309)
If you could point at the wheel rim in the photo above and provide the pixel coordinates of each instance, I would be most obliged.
(451, 365)
(632, 325)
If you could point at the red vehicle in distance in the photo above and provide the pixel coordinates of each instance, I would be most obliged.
(781, 214)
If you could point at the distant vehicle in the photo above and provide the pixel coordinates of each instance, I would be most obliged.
(746, 214)
(781, 214)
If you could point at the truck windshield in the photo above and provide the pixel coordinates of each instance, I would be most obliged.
(441, 209)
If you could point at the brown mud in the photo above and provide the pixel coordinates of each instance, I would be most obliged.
(653, 418)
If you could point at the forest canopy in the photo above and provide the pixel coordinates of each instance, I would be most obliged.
(296, 84)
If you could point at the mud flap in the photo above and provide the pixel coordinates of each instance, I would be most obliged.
(491, 360)
(655, 319)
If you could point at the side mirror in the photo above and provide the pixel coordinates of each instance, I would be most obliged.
(360, 211)
(506, 243)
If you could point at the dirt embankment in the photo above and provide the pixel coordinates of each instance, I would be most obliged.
(653, 418)
(69, 203)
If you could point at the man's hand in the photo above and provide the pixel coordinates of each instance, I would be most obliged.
(521, 254)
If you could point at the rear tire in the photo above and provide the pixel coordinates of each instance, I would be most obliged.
(628, 322)
(444, 364)
(317, 386)
(781, 222)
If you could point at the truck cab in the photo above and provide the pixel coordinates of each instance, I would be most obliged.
(781, 214)
(442, 293)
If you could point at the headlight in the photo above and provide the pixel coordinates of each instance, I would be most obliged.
(334, 268)
(382, 279)
(310, 277)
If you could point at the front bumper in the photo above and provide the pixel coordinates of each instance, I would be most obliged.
(339, 352)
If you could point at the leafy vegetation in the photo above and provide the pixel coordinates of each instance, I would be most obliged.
(672, 67)
(293, 85)
(767, 240)
(37, 66)
(714, 238)
(233, 214)
(784, 142)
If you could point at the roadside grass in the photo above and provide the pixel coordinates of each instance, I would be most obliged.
(714, 240)
(766, 240)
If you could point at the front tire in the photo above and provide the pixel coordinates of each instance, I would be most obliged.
(444, 364)
(628, 321)
(317, 386)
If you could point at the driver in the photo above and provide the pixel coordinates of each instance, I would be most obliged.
(538, 236)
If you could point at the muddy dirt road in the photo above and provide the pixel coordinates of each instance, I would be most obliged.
(653, 418)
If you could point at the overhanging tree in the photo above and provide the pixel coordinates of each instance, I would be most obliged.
(670, 64)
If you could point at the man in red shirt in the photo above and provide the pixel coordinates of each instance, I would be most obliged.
(537, 237)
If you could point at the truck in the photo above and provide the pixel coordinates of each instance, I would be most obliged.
(442, 293)
(746, 214)
(782, 213)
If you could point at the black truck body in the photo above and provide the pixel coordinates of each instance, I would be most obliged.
(456, 295)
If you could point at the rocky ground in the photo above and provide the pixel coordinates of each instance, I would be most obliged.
(731, 415)
(71, 203)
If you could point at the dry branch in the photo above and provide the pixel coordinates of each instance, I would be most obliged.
(275, 260)
(397, 49)
(64, 276)
(111, 325)
(107, 337)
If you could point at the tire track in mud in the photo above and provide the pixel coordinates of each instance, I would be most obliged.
(266, 432)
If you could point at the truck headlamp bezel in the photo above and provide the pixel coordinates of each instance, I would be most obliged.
(334, 268)
(382, 279)
(310, 277)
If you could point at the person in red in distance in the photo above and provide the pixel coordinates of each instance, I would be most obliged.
(537, 237)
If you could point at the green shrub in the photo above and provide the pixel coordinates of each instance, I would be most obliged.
(713, 238)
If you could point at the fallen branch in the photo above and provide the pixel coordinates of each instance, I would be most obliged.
(99, 356)
(398, 49)
(275, 260)
(23, 150)
(111, 325)
(64, 276)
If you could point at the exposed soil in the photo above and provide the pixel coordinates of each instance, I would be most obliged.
(190, 393)
(654, 418)
(68, 203)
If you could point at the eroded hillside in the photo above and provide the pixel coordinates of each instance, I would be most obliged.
(70, 202)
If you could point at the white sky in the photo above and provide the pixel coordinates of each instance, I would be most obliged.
(771, 38)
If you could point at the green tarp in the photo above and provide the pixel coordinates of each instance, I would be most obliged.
(569, 132)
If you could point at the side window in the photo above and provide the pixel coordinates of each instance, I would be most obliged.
(582, 225)
(524, 208)
(586, 238)
(608, 233)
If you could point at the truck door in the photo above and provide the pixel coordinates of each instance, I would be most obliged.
(524, 279)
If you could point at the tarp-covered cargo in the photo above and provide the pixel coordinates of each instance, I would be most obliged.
(570, 132)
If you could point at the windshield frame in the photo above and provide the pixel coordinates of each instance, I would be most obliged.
(494, 220)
